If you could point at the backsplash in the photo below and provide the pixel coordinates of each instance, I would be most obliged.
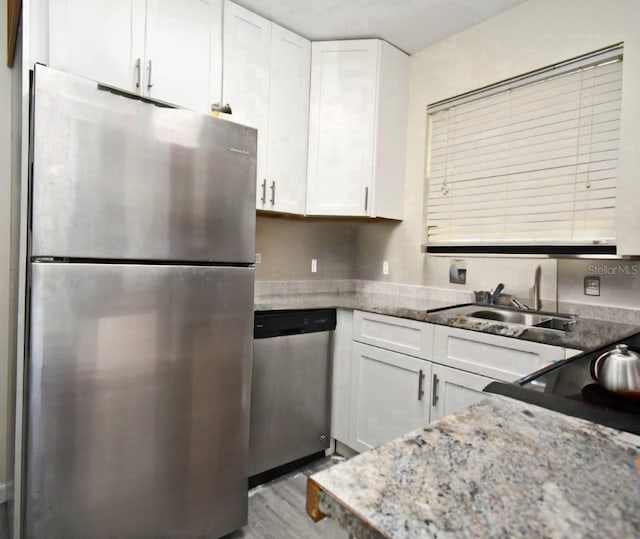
(287, 245)
(347, 263)
(619, 298)
(417, 294)
(619, 282)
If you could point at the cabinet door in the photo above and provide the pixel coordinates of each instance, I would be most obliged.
(246, 65)
(389, 396)
(288, 121)
(341, 127)
(178, 60)
(452, 390)
(391, 133)
(100, 40)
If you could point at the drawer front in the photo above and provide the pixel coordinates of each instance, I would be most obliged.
(502, 358)
(392, 333)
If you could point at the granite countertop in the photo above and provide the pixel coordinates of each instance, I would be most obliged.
(402, 307)
(500, 468)
(586, 333)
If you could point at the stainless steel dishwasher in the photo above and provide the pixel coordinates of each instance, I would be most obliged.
(290, 386)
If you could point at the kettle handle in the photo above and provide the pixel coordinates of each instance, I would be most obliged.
(595, 366)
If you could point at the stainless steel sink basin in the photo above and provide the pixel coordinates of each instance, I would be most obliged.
(557, 323)
(513, 316)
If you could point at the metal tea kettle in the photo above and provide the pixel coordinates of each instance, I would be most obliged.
(618, 370)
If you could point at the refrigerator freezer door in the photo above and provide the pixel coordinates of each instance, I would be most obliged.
(139, 385)
(119, 178)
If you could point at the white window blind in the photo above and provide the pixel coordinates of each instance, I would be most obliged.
(529, 162)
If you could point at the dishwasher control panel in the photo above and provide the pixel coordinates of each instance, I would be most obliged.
(292, 322)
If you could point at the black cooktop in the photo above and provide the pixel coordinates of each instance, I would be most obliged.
(568, 387)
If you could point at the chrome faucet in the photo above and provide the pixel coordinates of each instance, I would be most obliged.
(537, 302)
(496, 293)
(506, 299)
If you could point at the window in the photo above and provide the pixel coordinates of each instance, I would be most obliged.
(530, 164)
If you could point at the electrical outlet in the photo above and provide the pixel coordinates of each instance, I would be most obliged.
(458, 271)
(258, 258)
(385, 267)
(314, 265)
(592, 286)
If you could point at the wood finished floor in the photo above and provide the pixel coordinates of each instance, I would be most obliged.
(276, 510)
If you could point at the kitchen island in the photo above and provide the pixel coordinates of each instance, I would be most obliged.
(500, 468)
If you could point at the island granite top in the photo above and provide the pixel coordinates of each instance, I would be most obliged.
(587, 334)
(500, 468)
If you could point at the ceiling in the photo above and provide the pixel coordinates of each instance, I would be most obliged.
(410, 25)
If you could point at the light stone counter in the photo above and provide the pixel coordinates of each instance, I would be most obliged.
(501, 468)
(586, 334)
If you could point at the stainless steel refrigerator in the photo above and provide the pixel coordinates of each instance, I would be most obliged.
(141, 317)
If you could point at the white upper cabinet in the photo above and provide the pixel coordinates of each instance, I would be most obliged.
(168, 50)
(99, 40)
(266, 83)
(178, 52)
(288, 122)
(357, 129)
(246, 62)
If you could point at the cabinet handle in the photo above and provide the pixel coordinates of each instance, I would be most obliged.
(137, 68)
(420, 388)
(366, 198)
(273, 193)
(149, 83)
(434, 400)
(263, 198)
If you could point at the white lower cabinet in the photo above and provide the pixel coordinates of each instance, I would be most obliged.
(389, 395)
(405, 374)
(341, 353)
(500, 358)
(453, 390)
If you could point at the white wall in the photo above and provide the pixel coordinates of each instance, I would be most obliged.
(9, 175)
(529, 36)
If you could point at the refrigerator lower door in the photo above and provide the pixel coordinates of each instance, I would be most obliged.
(138, 396)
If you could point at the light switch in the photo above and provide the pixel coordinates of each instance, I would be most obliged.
(385, 267)
(314, 265)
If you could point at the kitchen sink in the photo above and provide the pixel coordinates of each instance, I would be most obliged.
(513, 316)
(559, 323)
